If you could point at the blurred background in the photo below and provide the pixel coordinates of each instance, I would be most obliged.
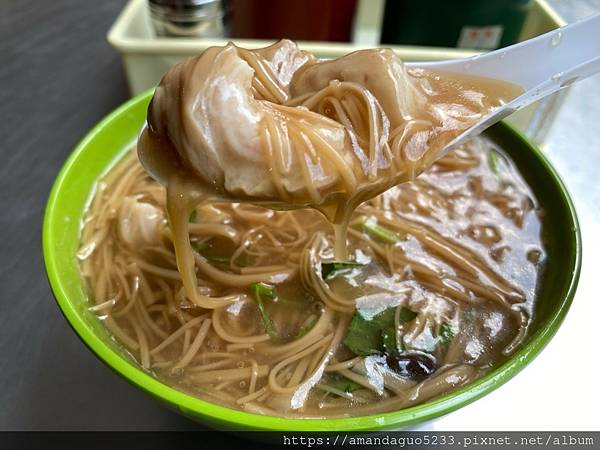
(67, 63)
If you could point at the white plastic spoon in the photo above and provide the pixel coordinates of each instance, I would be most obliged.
(541, 66)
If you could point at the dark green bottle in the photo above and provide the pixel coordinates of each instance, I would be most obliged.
(482, 24)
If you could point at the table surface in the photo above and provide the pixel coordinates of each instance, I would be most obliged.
(58, 78)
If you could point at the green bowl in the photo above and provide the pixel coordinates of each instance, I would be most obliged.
(103, 146)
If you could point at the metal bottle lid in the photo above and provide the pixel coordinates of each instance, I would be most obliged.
(187, 18)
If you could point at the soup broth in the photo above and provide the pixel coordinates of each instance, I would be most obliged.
(438, 288)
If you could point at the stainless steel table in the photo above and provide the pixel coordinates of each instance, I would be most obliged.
(58, 77)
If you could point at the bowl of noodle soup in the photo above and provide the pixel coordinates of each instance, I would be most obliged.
(109, 142)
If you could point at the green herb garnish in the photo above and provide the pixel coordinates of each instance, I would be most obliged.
(364, 336)
(218, 259)
(343, 384)
(388, 338)
(330, 270)
(193, 216)
(496, 163)
(493, 161)
(263, 291)
(446, 335)
(377, 335)
(202, 246)
(305, 329)
(379, 232)
(199, 246)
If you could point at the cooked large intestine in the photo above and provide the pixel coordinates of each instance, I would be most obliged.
(459, 248)
(277, 127)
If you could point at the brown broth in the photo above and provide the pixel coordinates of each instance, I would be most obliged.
(454, 246)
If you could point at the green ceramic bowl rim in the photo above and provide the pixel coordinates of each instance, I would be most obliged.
(236, 419)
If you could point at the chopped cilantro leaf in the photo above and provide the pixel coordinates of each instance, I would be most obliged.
(379, 232)
(330, 270)
(377, 335)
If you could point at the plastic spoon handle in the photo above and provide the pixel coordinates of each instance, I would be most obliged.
(541, 66)
(532, 62)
